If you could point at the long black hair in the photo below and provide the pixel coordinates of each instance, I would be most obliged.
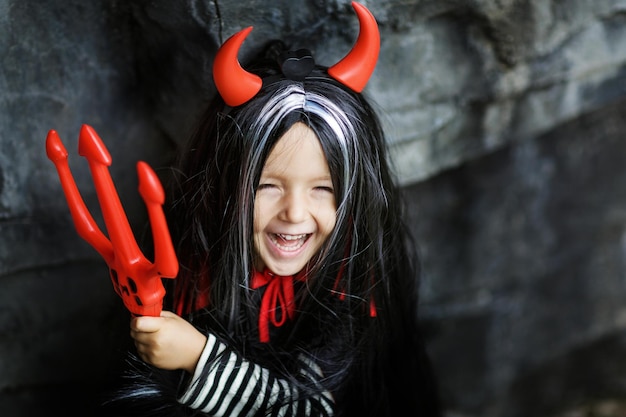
(357, 310)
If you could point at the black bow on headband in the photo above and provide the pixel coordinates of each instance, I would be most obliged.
(296, 65)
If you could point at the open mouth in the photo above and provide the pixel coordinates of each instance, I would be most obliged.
(288, 243)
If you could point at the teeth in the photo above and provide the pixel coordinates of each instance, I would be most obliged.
(291, 237)
(297, 239)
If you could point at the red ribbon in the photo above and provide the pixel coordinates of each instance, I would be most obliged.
(278, 295)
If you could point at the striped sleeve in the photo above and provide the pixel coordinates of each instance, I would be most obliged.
(225, 384)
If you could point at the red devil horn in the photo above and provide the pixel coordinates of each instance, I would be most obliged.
(356, 68)
(235, 85)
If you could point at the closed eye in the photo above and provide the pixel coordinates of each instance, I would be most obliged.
(323, 188)
(265, 186)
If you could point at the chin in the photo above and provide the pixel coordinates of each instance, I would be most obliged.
(285, 268)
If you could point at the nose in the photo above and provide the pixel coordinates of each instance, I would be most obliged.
(294, 208)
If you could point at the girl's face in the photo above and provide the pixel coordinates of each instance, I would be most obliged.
(294, 207)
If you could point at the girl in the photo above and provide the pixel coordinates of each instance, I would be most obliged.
(297, 289)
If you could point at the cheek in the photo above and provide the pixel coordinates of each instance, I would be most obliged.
(257, 219)
(327, 220)
(258, 226)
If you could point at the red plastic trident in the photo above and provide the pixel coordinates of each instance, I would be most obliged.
(135, 279)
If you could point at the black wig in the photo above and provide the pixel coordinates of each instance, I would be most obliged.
(357, 310)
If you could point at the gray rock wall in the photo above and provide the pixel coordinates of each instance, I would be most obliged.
(505, 122)
(524, 285)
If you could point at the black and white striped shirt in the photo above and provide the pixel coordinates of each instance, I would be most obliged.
(225, 384)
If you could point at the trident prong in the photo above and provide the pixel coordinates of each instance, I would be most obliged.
(135, 279)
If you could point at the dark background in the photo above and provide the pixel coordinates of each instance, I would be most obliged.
(506, 124)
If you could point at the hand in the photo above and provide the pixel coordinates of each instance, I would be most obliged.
(167, 342)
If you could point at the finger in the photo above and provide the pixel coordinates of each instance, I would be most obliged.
(168, 314)
(144, 338)
(137, 336)
(142, 353)
(144, 350)
(146, 324)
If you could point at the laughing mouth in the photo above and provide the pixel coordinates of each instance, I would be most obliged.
(288, 243)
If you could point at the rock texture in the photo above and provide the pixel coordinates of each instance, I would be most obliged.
(506, 124)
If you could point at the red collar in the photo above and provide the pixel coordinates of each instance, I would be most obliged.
(279, 293)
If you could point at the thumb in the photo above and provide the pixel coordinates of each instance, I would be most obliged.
(168, 314)
(146, 324)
